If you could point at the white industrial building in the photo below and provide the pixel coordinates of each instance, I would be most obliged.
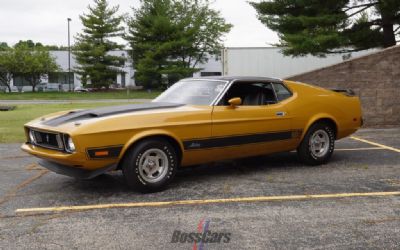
(269, 61)
(264, 61)
(125, 78)
(57, 80)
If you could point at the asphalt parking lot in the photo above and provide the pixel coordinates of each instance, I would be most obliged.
(269, 202)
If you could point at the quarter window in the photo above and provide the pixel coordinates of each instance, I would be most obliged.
(282, 93)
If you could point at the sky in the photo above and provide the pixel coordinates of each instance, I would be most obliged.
(45, 21)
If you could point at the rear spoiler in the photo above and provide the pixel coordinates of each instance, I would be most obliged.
(348, 92)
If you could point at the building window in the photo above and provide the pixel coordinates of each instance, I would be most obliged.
(123, 79)
(210, 73)
(2, 81)
(20, 81)
(61, 77)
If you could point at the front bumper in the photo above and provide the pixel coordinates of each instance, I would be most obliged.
(76, 164)
(75, 172)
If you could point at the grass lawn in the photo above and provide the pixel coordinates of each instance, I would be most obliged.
(133, 94)
(11, 122)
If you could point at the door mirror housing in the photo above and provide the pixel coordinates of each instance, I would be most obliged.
(235, 101)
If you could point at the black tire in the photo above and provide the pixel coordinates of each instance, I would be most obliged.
(133, 167)
(308, 154)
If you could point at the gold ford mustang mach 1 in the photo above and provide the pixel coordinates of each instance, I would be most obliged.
(195, 121)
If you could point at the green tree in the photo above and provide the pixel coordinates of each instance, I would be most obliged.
(33, 64)
(201, 32)
(94, 44)
(29, 44)
(8, 67)
(331, 26)
(3, 46)
(171, 38)
(150, 32)
(56, 48)
(5, 75)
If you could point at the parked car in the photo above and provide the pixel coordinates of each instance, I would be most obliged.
(197, 120)
(53, 87)
(81, 89)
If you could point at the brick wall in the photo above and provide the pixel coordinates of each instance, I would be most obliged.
(374, 77)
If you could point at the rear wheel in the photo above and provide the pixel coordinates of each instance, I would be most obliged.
(317, 145)
(150, 165)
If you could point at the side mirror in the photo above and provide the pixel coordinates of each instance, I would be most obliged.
(235, 102)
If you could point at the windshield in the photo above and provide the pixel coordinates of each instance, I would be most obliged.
(193, 92)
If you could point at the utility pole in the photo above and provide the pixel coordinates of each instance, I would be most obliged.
(69, 56)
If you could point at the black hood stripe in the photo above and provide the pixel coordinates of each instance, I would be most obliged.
(107, 111)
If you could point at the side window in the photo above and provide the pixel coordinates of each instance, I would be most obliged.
(282, 93)
(267, 94)
(251, 93)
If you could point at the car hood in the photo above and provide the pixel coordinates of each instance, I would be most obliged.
(79, 115)
(122, 118)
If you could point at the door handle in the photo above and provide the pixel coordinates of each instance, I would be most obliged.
(280, 113)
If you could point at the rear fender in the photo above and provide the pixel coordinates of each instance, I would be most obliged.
(317, 117)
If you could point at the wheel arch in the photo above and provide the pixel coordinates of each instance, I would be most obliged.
(322, 118)
(171, 138)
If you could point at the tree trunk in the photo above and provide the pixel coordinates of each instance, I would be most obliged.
(33, 83)
(389, 39)
(9, 79)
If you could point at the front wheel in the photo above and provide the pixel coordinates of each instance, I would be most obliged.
(150, 165)
(317, 145)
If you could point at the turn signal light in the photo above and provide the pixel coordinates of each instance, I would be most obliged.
(101, 153)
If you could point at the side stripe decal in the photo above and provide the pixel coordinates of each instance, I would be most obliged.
(239, 140)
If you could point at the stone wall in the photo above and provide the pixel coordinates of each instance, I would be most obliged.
(374, 77)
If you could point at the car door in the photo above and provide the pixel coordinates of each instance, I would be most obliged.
(260, 125)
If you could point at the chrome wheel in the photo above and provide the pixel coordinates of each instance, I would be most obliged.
(153, 165)
(319, 143)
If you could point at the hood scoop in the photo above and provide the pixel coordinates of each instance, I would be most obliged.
(107, 111)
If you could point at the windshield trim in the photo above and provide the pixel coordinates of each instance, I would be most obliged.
(228, 85)
(222, 93)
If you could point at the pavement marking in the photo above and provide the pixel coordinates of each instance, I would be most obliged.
(34, 166)
(202, 202)
(375, 144)
(23, 184)
(376, 221)
(358, 149)
(353, 149)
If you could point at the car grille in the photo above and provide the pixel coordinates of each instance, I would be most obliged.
(48, 140)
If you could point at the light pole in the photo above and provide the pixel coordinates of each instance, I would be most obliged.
(69, 56)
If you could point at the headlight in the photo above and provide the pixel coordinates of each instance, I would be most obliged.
(70, 145)
(32, 136)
